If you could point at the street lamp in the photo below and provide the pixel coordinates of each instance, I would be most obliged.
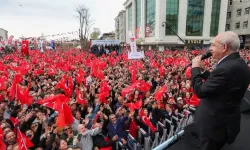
(165, 23)
(169, 26)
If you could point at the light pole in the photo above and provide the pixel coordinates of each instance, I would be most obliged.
(165, 23)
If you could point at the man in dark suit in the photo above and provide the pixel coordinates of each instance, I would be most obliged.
(218, 115)
(116, 126)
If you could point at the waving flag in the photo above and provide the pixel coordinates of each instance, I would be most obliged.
(23, 142)
(25, 47)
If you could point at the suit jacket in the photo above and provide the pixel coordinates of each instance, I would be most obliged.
(218, 115)
(119, 130)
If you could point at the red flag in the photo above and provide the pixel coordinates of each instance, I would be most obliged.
(146, 121)
(79, 98)
(127, 90)
(52, 100)
(62, 82)
(104, 87)
(194, 100)
(138, 104)
(25, 47)
(14, 121)
(160, 92)
(70, 86)
(103, 96)
(188, 72)
(142, 86)
(23, 142)
(2, 85)
(51, 71)
(10, 39)
(131, 106)
(161, 70)
(23, 95)
(2, 145)
(133, 75)
(65, 116)
(79, 76)
(17, 79)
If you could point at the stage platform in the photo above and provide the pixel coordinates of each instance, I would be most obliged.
(242, 141)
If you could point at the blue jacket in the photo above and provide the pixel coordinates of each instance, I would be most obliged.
(119, 130)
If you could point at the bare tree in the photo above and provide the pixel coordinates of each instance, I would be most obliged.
(84, 16)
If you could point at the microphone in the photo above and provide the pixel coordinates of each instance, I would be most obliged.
(203, 56)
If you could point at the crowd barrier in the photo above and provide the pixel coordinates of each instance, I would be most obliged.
(168, 132)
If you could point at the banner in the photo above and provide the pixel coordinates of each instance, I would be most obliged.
(10, 39)
(136, 55)
(105, 42)
(133, 54)
(133, 44)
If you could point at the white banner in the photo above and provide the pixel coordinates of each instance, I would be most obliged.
(103, 42)
(133, 54)
(133, 44)
(136, 55)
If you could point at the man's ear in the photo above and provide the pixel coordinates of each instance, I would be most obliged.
(225, 48)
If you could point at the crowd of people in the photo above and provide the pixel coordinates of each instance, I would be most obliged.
(101, 49)
(76, 101)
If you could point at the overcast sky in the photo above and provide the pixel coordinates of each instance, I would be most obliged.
(34, 17)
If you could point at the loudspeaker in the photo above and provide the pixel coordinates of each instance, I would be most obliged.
(245, 104)
(191, 136)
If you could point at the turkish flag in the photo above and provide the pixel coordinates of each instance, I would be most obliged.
(23, 142)
(79, 97)
(25, 47)
(2, 144)
(160, 92)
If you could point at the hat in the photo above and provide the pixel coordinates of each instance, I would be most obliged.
(179, 98)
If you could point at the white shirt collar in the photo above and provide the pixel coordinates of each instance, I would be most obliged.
(221, 59)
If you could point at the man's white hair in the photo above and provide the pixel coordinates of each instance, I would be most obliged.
(231, 39)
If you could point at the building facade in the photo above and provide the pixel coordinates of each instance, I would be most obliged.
(120, 26)
(161, 24)
(238, 19)
(108, 36)
(3, 35)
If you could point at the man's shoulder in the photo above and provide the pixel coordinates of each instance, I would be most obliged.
(233, 64)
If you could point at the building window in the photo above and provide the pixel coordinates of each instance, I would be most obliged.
(150, 18)
(130, 18)
(247, 10)
(230, 2)
(228, 15)
(245, 24)
(215, 17)
(227, 26)
(239, 12)
(138, 18)
(195, 16)
(237, 25)
(172, 17)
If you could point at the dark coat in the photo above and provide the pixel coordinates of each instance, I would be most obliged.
(119, 130)
(218, 115)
